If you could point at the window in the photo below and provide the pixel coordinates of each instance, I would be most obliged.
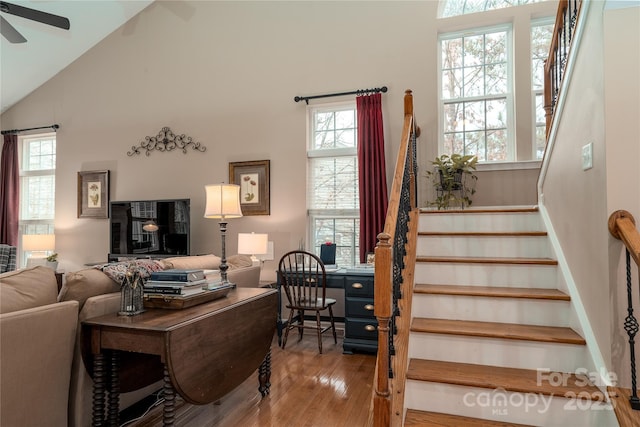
(332, 182)
(541, 33)
(475, 95)
(462, 7)
(37, 185)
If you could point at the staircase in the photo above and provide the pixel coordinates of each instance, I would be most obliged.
(494, 339)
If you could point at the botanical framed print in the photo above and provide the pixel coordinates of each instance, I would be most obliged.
(253, 179)
(93, 194)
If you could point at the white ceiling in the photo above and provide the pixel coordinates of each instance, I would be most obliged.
(48, 50)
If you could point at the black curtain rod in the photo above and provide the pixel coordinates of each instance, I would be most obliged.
(306, 99)
(54, 127)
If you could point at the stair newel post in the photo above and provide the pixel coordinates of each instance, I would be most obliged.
(383, 311)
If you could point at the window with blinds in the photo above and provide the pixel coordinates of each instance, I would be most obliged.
(332, 180)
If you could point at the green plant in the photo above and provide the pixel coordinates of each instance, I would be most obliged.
(53, 257)
(454, 179)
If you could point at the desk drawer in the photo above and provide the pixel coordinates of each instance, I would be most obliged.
(359, 287)
(361, 328)
(359, 307)
(334, 281)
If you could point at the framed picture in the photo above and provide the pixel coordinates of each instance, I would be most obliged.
(253, 179)
(93, 194)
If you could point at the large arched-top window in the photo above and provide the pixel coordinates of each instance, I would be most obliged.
(461, 7)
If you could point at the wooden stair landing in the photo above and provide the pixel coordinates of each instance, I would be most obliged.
(496, 377)
(497, 330)
(415, 418)
(492, 291)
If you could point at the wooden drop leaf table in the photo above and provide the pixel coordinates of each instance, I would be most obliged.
(205, 350)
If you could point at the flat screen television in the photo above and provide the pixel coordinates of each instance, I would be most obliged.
(149, 228)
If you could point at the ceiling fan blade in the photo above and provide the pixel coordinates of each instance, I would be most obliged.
(35, 15)
(10, 33)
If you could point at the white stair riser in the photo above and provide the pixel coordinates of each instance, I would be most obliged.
(486, 309)
(498, 352)
(505, 406)
(449, 273)
(496, 222)
(474, 246)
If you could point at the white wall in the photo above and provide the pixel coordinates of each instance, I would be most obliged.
(579, 201)
(225, 73)
(622, 149)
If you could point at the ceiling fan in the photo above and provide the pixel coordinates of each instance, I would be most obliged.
(12, 35)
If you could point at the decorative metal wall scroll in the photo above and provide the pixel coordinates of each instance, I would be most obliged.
(166, 140)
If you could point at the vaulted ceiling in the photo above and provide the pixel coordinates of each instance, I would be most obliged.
(48, 50)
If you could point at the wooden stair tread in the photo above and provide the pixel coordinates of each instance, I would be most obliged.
(416, 418)
(483, 233)
(497, 209)
(488, 260)
(492, 291)
(627, 416)
(510, 379)
(512, 331)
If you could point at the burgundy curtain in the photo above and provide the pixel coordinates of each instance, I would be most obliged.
(372, 172)
(9, 191)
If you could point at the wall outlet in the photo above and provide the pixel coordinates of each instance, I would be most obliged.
(587, 156)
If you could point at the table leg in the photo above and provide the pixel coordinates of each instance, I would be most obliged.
(264, 375)
(169, 414)
(113, 409)
(97, 419)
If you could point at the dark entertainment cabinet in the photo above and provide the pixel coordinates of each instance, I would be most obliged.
(360, 324)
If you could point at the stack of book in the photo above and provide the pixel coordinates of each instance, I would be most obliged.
(176, 282)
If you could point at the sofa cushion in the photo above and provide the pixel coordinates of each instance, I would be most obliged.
(83, 284)
(102, 279)
(203, 262)
(239, 261)
(27, 288)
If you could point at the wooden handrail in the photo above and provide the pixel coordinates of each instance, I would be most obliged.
(622, 226)
(388, 270)
(566, 18)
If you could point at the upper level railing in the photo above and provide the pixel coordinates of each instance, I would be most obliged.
(556, 63)
(622, 226)
(390, 261)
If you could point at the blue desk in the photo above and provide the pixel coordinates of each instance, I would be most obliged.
(360, 324)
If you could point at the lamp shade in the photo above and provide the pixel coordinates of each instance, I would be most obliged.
(223, 201)
(150, 226)
(38, 242)
(253, 243)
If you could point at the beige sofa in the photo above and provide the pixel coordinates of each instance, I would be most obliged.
(43, 380)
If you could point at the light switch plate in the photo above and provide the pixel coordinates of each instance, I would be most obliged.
(587, 156)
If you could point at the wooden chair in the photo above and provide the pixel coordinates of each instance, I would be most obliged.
(303, 279)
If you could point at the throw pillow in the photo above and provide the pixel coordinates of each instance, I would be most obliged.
(84, 284)
(27, 288)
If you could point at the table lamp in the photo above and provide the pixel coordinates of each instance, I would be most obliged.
(253, 244)
(40, 243)
(223, 202)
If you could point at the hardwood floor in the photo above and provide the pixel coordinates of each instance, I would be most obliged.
(307, 389)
